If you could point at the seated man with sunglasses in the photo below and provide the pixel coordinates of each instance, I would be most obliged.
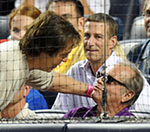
(124, 84)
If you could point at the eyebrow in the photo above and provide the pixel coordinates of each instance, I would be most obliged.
(66, 15)
(87, 33)
(15, 27)
(99, 34)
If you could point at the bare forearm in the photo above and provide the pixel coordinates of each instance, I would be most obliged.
(65, 84)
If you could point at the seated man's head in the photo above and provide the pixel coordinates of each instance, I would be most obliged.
(16, 104)
(100, 37)
(124, 84)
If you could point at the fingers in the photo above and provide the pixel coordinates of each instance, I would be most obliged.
(100, 80)
(99, 84)
(97, 92)
(97, 95)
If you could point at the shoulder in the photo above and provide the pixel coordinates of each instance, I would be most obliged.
(134, 52)
(77, 66)
(80, 63)
(9, 45)
(137, 48)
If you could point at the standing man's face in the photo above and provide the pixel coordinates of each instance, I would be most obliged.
(68, 11)
(47, 62)
(147, 19)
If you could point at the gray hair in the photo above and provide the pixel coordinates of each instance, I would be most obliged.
(134, 82)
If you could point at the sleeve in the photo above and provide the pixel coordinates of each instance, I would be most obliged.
(40, 80)
(134, 53)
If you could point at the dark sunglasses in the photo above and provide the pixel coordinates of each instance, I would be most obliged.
(110, 79)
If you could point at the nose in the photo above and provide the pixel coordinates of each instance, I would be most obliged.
(22, 33)
(16, 37)
(91, 41)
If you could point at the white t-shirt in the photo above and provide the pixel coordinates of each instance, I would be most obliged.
(14, 72)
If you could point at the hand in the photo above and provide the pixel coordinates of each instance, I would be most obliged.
(97, 92)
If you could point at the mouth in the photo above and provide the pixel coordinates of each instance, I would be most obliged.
(91, 51)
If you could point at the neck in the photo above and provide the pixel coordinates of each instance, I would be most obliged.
(95, 67)
(13, 109)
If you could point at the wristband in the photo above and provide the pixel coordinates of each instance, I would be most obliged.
(90, 90)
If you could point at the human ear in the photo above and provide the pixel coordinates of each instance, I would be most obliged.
(113, 42)
(127, 96)
(26, 90)
(81, 24)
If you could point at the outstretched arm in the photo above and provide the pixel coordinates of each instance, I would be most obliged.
(65, 84)
(53, 81)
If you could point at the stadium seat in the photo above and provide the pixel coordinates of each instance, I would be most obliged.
(128, 44)
(120, 28)
(138, 30)
(126, 10)
(4, 27)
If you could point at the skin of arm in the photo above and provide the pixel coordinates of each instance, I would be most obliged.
(65, 84)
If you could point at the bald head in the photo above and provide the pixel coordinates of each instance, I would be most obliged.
(128, 74)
